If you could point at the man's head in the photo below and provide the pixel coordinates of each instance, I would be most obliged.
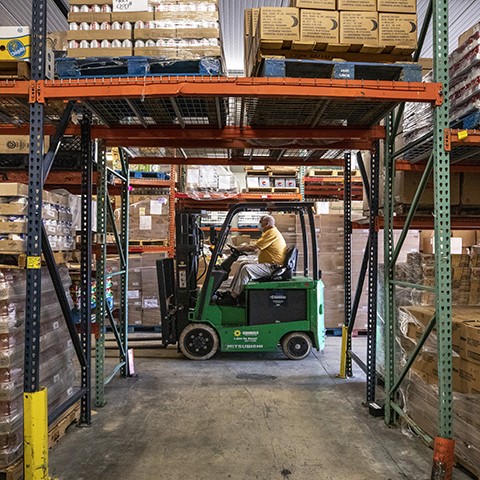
(267, 222)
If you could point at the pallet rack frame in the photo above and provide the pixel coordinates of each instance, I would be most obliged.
(39, 91)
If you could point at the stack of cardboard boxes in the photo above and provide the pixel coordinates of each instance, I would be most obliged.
(143, 306)
(331, 26)
(56, 213)
(149, 218)
(57, 355)
(177, 29)
(421, 391)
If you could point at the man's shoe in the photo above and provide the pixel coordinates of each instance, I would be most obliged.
(227, 300)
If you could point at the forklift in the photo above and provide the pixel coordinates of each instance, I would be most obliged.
(282, 309)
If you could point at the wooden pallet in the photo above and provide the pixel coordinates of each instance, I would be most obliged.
(58, 428)
(260, 189)
(143, 243)
(19, 70)
(55, 432)
(324, 172)
(328, 52)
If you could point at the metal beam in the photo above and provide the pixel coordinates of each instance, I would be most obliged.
(137, 112)
(293, 88)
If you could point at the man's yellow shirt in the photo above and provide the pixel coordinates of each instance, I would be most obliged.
(273, 248)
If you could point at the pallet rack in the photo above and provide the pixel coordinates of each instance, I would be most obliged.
(268, 110)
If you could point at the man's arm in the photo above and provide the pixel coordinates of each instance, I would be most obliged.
(247, 248)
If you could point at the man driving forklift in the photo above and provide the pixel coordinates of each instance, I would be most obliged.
(273, 250)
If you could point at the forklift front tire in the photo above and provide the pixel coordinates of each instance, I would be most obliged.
(296, 345)
(199, 341)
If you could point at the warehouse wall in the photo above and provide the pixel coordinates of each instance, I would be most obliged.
(22, 14)
(463, 14)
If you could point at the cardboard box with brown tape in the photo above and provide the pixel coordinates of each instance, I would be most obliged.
(397, 29)
(319, 26)
(315, 4)
(357, 5)
(359, 28)
(397, 6)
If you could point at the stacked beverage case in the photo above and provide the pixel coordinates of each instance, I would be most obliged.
(179, 29)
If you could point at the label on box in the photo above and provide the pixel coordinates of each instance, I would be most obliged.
(145, 222)
(155, 207)
(150, 303)
(130, 5)
(133, 294)
(398, 29)
(142, 211)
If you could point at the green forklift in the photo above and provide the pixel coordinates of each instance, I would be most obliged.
(283, 309)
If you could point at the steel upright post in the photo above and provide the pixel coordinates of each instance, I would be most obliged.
(124, 266)
(372, 276)
(347, 260)
(86, 267)
(389, 273)
(100, 277)
(444, 443)
(35, 398)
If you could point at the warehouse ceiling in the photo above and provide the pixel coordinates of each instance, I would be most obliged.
(463, 14)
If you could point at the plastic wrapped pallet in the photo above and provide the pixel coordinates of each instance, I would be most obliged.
(211, 183)
(56, 213)
(57, 356)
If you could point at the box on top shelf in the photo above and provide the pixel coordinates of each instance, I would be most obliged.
(89, 17)
(255, 15)
(397, 6)
(359, 28)
(279, 23)
(91, 2)
(357, 5)
(320, 26)
(315, 4)
(398, 29)
(468, 33)
(14, 43)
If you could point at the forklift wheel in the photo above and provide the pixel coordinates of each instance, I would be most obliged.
(296, 345)
(199, 341)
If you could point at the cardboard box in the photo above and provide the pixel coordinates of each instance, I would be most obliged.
(398, 29)
(132, 17)
(89, 17)
(247, 22)
(315, 4)
(255, 15)
(279, 183)
(14, 43)
(252, 181)
(320, 26)
(99, 52)
(191, 16)
(468, 33)
(13, 190)
(19, 144)
(357, 5)
(397, 6)
(470, 193)
(13, 227)
(12, 246)
(359, 28)
(461, 240)
(99, 34)
(167, 52)
(264, 182)
(406, 184)
(470, 341)
(277, 23)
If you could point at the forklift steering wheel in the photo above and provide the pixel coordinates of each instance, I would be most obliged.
(235, 250)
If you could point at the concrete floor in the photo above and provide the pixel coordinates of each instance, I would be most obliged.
(240, 417)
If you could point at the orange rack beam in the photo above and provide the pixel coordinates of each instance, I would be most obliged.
(141, 87)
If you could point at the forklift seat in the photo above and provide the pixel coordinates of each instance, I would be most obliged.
(286, 272)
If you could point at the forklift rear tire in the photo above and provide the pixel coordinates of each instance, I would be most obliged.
(199, 341)
(297, 345)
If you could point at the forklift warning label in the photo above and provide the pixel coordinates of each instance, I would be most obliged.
(246, 339)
